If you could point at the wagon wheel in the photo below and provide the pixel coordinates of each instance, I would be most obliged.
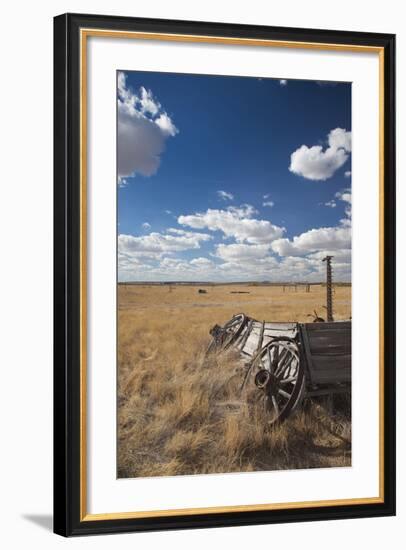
(224, 336)
(279, 374)
(232, 329)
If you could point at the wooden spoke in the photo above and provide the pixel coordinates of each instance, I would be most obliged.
(275, 359)
(284, 393)
(282, 368)
(283, 357)
(275, 405)
(289, 371)
(286, 359)
(269, 359)
(284, 381)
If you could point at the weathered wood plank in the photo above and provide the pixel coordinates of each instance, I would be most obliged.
(251, 345)
(317, 340)
(332, 377)
(261, 337)
(328, 391)
(330, 349)
(334, 342)
(271, 333)
(335, 326)
(246, 335)
(331, 369)
(306, 351)
(331, 335)
(281, 326)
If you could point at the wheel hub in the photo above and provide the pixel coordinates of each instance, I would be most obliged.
(264, 380)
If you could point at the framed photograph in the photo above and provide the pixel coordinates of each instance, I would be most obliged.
(224, 274)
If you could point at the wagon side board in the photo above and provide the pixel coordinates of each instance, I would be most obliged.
(327, 351)
(257, 334)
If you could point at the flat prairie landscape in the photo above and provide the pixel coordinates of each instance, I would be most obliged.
(180, 412)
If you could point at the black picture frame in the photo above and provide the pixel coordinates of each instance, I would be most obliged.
(68, 519)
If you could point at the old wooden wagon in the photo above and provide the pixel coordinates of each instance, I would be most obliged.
(288, 361)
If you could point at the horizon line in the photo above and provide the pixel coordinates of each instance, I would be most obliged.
(285, 283)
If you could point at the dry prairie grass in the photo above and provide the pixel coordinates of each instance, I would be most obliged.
(181, 413)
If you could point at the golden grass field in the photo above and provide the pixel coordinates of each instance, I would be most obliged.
(180, 413)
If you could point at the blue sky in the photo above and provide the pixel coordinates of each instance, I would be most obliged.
(232, 178)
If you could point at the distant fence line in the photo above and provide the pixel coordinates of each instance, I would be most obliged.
(250, 283)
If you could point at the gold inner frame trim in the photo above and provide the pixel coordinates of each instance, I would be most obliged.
(173, 37)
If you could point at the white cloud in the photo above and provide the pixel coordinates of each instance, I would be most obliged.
(123, 92)
(315, 164)
(225, 196)
(164, 122)
(331, 204)
(347, 174)
(201, 262)
(146, 225)
(268, 203)
(340, 139)
(244, 210)
(317, 243)
(168, 212)
(171, 263)
(324, 238)
(283, 82)
(142, 131)
(241, 252)
(237, 263)
(235, 222)
(155, 245)
(166, 269)
(340, 256)
(147, 102)
(344, 196)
